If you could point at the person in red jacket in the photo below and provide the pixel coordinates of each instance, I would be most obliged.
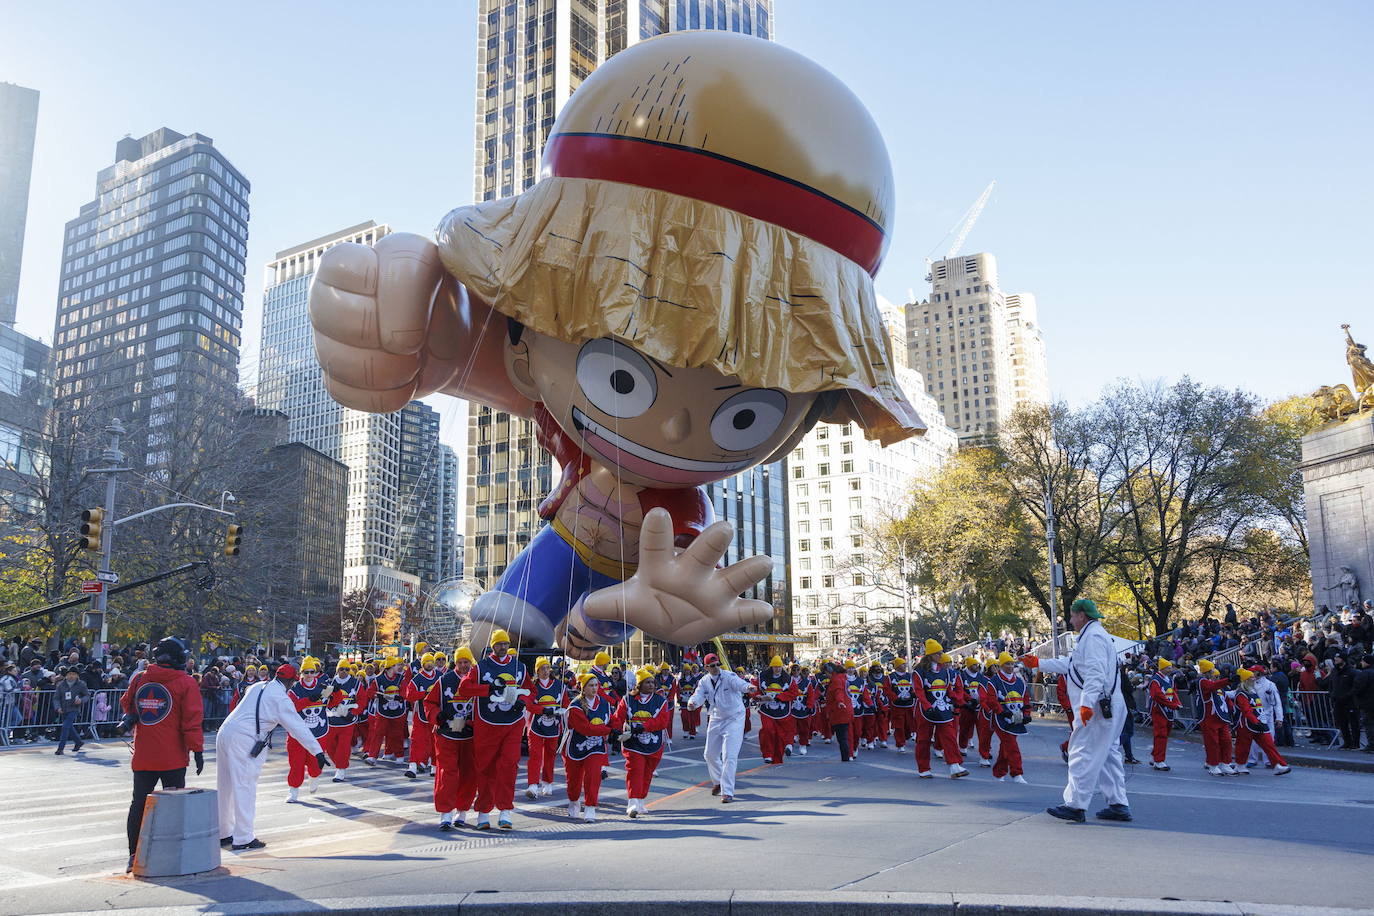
(1253, 728)
(496, 684)
(585, 749)
(346, 703)
(417, 687)
(901, 698)
(1218, 717)
(162, 705)
(641, 718)
(938, 698)
(775, 710)
(839, 707)
(455, 776)
(1164, 705)
(389, 723)
(546, 707)
(1004, 698)
(310, 695)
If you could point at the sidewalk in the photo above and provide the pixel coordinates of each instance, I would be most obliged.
(1303, 754)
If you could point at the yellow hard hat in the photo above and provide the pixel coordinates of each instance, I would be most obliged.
(310, 663)
(945, 659)
(1245, 674)
(899, 661)
(602, 658)
(1005, 658)
(1205, 666)
(1165, 663)
(427, 658)
(463, 652)
(970, 661)
(775, 661)
(498, 636)
(933, 647)
(540, 662)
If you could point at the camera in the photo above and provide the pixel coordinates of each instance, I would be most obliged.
(1104, 705)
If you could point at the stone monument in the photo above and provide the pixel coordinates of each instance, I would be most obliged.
(1338, 480)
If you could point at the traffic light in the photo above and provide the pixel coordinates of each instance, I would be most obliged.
(232, 537)
(91, 520)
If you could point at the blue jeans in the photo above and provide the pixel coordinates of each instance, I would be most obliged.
(1127, 733)
(68, 731)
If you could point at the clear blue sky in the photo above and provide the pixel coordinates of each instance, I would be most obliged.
(1186, 187)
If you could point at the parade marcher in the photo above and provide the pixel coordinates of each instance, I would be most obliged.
(547, 709)
(162, 705)
(1128, 725)
(724, 693)
(1095, 758)
(1164, 705)
(901, 698)
(882, 723)
(1218, 718)
(838, 707)
(749, 700)
(1270, 710)
(775, 710)
(586, 748)
(240, 752)
(686, 686)
(1253, 727)
(497, 683)
(666, 684)
(642, 718)
(310, 695)
(971, 719)
(455, 774)
(349, 698)
(937, 702)
(1004, 701)
(389, 723)
(417, 658)
(803, 709)
(421, 729)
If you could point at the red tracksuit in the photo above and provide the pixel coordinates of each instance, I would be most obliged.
(938, 698)
(648, 716)
(881, 723)
(421, 728)
(863, 710)
(455, 774)
(971, 718)
(1219, 714)
(775, 715)
(308, 701)
(1253, 728)
(804, 709)
(1163, 701)
(691, 718)
(497, 729)
(999, 695)
(898, 686)
(544, 730)
(667, 687)
(388, 724)
(586, 752)
(338, 741)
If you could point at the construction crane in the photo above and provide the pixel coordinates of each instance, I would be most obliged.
(964, 226)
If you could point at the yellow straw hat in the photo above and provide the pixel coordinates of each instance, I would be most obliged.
(711, 199)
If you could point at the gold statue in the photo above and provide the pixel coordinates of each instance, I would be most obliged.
(1362, 371)
(1334, 402)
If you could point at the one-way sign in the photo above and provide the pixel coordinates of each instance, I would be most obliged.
(109, 578)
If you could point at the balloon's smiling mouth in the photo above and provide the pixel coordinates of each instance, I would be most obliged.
(646, 462)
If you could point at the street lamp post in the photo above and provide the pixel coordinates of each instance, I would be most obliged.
(1053, 578)
(906, 599)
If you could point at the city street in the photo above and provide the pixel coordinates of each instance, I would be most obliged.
(811, 825)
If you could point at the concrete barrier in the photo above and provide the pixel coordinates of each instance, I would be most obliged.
(180, 834)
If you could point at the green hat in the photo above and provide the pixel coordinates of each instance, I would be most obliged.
(1086, 607)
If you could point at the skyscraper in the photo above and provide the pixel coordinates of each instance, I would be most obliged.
(25, 403)
(428, 498)
(531, 56)
(151, 296)
(964, 340)
(18, 126)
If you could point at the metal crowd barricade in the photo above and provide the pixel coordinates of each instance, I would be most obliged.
(1313, 711)
(32, 715)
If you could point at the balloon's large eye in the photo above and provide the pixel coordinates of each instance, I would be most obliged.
(616, 379)
(748, 419)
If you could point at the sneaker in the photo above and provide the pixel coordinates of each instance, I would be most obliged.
(293, 794)
(1229, 769)
(411, 771)
(461, 820)
(532, 791)
(59, 753)
(985, 762)
(446, 821)
(1001, 778)
(726, 799)
(715, 790)
(1130, 760)
(370, 761)
(827, 740)
(1241, 771)
(251, 844)
(956, 770)
(340, 775)
(504, 821)
(226, 841)
(1019, 779)
(1216, 771)
(802, 750)
(1065, 813)
(1279, 771)
(884, 744)
(313, 786)
(78, 745)
(589, 814)
(574, 810)
(787, 750)
(1114, 813)
(926, 774)
(1162, 767)
(484, 820)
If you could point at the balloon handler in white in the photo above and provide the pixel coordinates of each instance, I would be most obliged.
(681, 297)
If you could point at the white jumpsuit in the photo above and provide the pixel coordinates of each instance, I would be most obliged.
(236, 773)
(724, 693)
(1270, 713)
(1095, 760)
